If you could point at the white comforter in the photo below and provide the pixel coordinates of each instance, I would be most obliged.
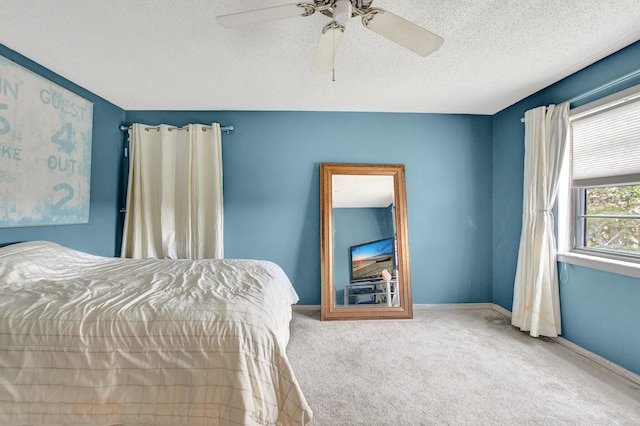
(96, 341)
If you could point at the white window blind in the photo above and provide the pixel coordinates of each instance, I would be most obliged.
(606, 144)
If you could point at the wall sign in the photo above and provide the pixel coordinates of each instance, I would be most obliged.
(45, 150)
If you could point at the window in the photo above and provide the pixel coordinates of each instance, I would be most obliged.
(599, 207)
(608, 219)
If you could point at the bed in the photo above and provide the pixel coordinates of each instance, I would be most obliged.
(100, 341)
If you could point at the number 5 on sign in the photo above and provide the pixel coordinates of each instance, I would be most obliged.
(4, 123)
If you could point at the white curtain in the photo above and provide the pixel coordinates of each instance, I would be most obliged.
(174, 199)
(536, 299)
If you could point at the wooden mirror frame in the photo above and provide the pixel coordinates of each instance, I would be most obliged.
(329, 309)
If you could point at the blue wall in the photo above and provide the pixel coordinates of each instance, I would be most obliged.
(600, 313)
(100, 235)
(271, 190)
(599, 310)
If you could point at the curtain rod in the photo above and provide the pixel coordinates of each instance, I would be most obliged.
(602, 88)
(224, 129)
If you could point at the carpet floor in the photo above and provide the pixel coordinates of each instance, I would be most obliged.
(450, 367)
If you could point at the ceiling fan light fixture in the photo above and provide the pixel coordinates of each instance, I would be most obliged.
(342, 11)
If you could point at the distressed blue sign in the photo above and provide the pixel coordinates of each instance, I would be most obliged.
(45, 150)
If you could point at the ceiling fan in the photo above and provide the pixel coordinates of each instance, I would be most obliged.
(393, 27)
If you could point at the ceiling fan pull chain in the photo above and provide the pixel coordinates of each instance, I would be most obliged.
(333, 52)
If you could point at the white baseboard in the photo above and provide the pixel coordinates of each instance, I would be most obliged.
(625, 374)
(630, 376)
(305, 307)
(416, 307)
(500, 309)
(449, 306)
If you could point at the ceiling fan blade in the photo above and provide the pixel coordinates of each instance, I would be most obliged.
(403, 32)
(327, 48)
(257, 16)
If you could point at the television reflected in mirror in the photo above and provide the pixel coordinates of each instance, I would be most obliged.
(369, 260)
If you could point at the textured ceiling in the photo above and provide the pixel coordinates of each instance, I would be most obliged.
(172, 54)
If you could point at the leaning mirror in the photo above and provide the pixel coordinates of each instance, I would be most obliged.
(364, 242)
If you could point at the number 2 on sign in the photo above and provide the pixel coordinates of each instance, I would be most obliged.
(66, 198)
(63, 138)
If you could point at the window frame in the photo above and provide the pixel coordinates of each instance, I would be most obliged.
(571, 204)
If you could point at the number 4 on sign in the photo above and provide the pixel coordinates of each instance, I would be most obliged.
(63, 138)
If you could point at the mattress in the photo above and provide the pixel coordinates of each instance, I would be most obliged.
(98, 341)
